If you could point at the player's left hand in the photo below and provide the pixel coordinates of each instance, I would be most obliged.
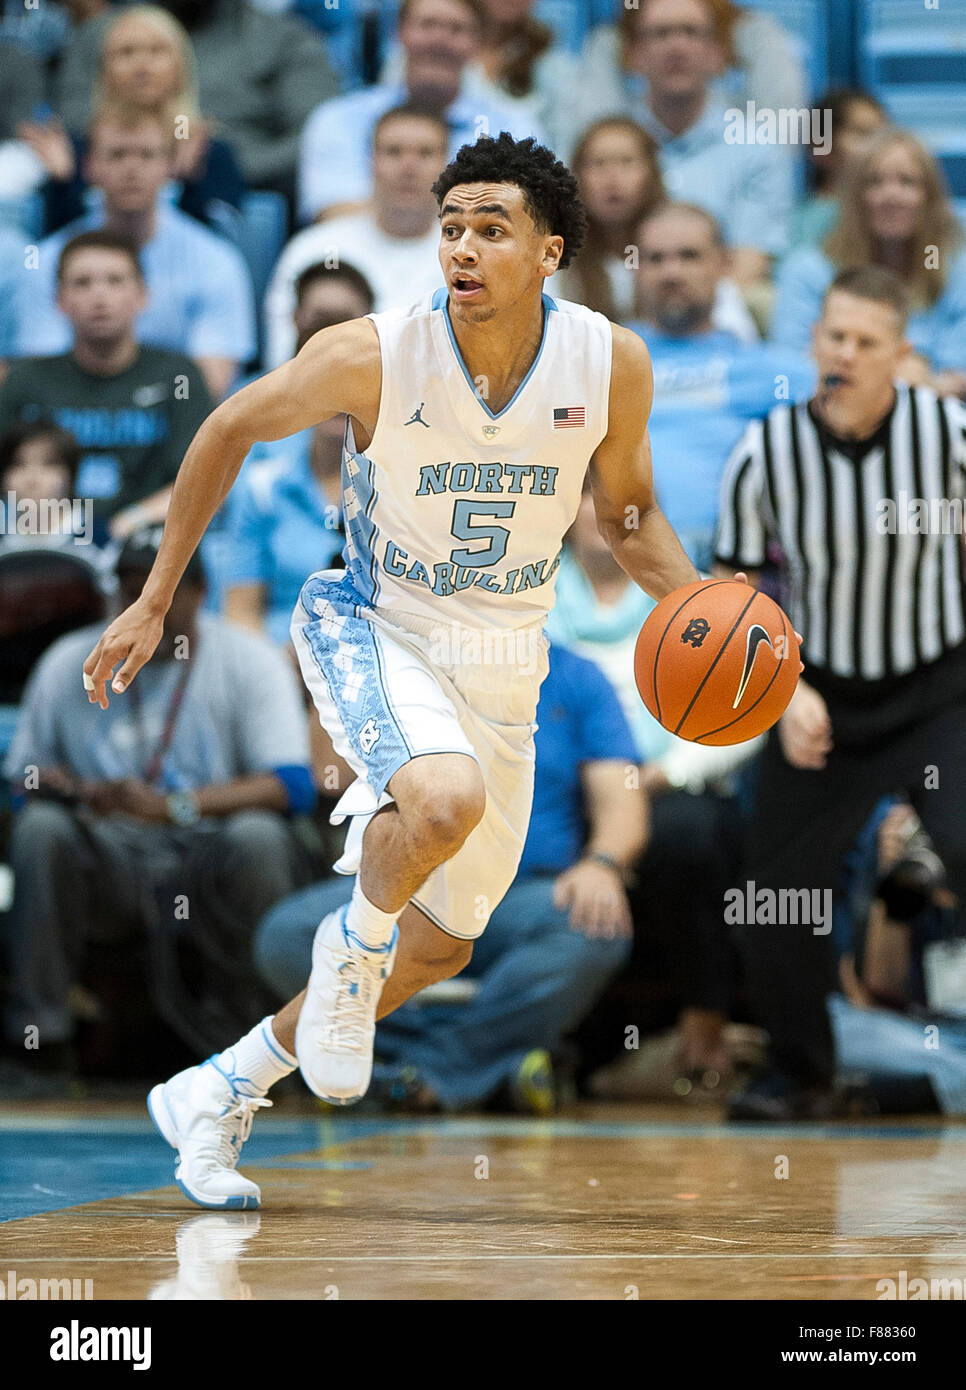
(596, 899)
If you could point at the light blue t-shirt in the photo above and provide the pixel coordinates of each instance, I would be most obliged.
(280, 527)
(748, 188)
(13, 244)
(200, 298)
(938, 333)
(241, 714)
(335, 163)
(706, 389)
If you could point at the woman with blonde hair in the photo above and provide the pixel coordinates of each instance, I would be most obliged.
(616, 166)
(147, 63)
(896, 213)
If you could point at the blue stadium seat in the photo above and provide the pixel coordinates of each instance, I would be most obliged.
(806, 22)
(940, 122)
(569, 20)
(902, 44)
(261, 236)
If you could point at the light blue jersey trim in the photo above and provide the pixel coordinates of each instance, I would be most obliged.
(440, 300)
(356, 637)
(361, 554)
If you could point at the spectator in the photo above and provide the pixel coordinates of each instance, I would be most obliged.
(560, 933)
(76, 70)
(620, 181)
(897, 941)
(520, 67)
(13, 250)
(185, 788)
(260, 76)
(133, 409)
(23, 87)
(694, 847)
(854, 118)
(679, 46)
(285, 511)
(394, 243)
(147, 62)
(41, 504)
(896, 214)
(840, 483)
(439, 38)
(707, 384)
(759, 54)
(20, 170)
(199, 292)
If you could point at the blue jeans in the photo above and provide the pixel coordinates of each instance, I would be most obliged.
(881, 1041)
(537, 976)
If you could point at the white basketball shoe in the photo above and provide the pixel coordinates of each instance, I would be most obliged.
(203, 1115)
(337, 1025)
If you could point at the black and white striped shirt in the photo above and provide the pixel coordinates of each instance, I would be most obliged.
(872, 535)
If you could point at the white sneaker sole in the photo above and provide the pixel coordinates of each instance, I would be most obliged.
(166, 1127)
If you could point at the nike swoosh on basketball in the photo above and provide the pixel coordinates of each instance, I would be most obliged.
(756, 635)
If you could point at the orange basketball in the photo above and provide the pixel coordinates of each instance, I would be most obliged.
(716, 662)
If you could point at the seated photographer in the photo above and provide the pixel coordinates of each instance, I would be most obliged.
(900, 1019)
(180, 790)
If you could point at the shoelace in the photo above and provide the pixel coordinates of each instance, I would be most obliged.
(230, 1139)
(351, 1020)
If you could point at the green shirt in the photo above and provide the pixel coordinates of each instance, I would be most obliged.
(133, 428)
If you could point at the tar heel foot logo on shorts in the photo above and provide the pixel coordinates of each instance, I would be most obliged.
(756, 636)
(369, 735)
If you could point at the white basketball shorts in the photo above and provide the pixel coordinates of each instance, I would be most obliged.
(389, 688)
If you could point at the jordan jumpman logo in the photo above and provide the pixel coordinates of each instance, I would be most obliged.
(417, 416)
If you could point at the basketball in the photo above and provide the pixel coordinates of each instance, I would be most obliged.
(716, 662)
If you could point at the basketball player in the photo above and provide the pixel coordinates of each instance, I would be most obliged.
(472, 418)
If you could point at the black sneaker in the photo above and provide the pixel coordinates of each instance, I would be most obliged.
(770, 1097)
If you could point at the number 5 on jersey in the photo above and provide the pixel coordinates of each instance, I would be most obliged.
(465, 530)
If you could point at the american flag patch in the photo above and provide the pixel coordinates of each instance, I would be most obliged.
(570, 417)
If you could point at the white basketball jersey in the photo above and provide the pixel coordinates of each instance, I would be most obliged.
(456, 512)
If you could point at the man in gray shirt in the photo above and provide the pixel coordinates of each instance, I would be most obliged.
(177, 803)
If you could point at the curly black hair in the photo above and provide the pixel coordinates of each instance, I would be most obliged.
(550, 193)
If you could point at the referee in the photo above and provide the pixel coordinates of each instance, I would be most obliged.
(861, 488)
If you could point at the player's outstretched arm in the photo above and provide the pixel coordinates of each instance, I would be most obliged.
(338, 371)
(628, 517)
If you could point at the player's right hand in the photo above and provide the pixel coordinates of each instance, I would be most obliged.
(805, 730)
(131, 638)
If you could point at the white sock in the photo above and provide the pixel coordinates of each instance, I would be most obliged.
(257, 1061)
(370, 924)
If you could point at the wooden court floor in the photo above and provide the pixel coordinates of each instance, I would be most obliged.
(606, 1202)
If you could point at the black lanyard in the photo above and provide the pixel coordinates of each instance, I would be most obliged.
(153, 769)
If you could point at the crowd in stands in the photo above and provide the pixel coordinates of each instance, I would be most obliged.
(190, 190)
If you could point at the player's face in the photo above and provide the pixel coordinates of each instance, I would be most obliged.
(676, 48)
(614, 177)
(895, 193)
(491, 254)
(680, 266)
(100, 294)
(859, 341)
(131, 166)
(408, 157)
